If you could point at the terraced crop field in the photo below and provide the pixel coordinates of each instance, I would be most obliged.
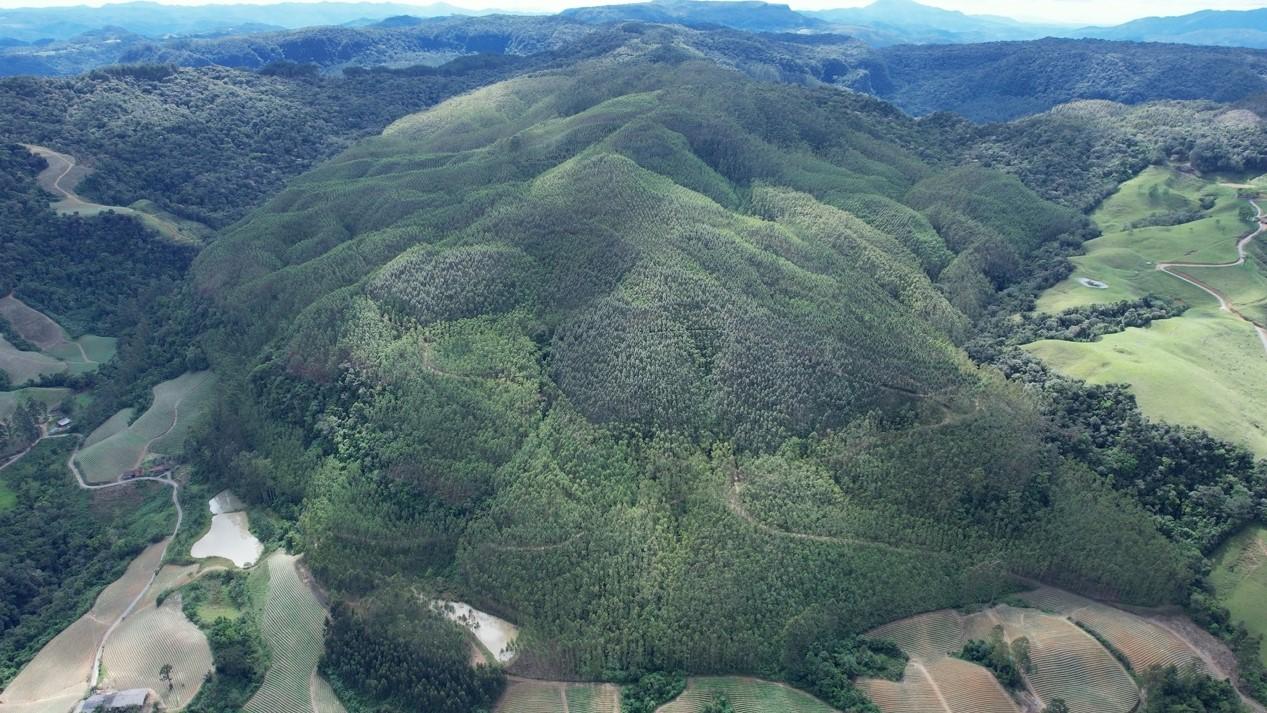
(1068, 663)
(747, 695)
(523, 696)
(944, 684)
(161, 429)
(293, 624)
(150, 638)
(925, 636)
(323, 698)
(1143, 643)
(62, 668)
(31, 324)
(113, 425)
(23, 367)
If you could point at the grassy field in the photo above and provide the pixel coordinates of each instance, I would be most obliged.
(64, 665)
(1126, 259)
(1244, 285)
(1190, 371)
(154, 636)
(161, 429)
(293, 624)
(747, 695)
(523, 696)
(117, 423)
(1240, 579)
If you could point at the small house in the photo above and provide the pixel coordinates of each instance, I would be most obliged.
(63, 422)
(133, 700)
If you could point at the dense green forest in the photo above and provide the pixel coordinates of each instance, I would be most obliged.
(210, 143)
(603, 350)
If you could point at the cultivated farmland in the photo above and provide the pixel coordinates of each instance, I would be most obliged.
(151, 638)
(1143, 643)
(525, 696)
(1068, 663)
(22, 366)
(64, 665)
(57, 352)
(747, 695)
(161, 429)
(293, 625)
(31, 324)
(944, 684)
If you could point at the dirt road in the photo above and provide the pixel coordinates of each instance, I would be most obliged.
(1224, 303)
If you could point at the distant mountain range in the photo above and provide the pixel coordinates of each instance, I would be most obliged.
(154, 20)
(882, 23)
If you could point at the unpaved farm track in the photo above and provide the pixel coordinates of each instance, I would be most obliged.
(79, 480)
(1224, 303)
(56, 179)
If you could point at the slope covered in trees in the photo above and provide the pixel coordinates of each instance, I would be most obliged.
(654, 361)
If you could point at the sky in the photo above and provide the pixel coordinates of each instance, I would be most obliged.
(1074, 12)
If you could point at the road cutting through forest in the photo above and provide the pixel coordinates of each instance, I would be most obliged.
(1224, 303)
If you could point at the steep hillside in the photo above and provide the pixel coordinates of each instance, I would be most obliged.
(653, 361)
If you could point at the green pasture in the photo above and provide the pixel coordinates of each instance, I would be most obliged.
(1240, 580)
(1190, 371)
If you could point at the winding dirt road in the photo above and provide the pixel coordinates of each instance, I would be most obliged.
(1224, 303)
(57, 179)
(79, 480)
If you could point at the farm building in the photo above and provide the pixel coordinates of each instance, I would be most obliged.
(63, 422)
(133, 700)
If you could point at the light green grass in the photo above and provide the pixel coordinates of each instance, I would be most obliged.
(50, 397)
(1196, 370)
(1240, 580)
(163, 426)
(96, 351)
(1192, 370)
(1244, 285)
(1126, 259)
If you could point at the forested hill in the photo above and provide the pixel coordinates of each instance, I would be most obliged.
(658, 361)
(211, 143)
